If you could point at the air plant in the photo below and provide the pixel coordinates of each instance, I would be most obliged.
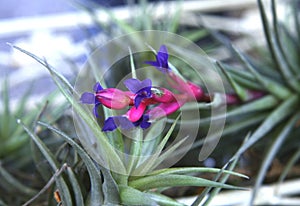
(129, 166)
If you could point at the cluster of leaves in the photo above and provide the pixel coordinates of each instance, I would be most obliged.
(17, 155)
(275, 117)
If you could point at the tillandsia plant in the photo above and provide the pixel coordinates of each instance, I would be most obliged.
(132, 157)
(275, 115)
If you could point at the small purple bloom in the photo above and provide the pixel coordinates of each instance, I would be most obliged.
(90, 98)
(161, 62)
(143, 122)
(141, 89)
(122, 122)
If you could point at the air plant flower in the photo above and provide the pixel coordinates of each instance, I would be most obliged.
(111, 98)
(161, 62)
(124, 123)
(90, 98)
(141, 89)
(142, 94)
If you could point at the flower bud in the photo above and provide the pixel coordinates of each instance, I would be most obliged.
(196, 90)
(135, 113)
(162, 95)
(113, 98)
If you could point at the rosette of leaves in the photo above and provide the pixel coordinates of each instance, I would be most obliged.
(273, 118)
(108, 187)
(19, 160)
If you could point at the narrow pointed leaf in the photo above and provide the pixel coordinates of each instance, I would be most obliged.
(190, 170)
(265, 103)
(148, 165)
(172, 180)
(61, 184)
(241, 92)
(278, 115)
(291, 162)
(280, 55)
(76, 187)
(276, 145)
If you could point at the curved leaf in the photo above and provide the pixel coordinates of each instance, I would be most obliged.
(171, 180)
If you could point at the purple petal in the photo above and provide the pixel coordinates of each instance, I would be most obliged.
(137, 100)
(87, 98)
(97, 87)
(124, 123)
(109, 125)
(112, 123)
(152, 63)
(146, 83)
(161, 62)
(145, 124)
(163, 49)
(162, 55)
(135, 85)
(95, 110)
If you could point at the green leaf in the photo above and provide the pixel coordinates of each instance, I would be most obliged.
(296, 18)
(132, 196)
(4, 132)
(291, 162)
(277, 116)
(240, 91)
(276, 145)
(76, 187)
(163, 200)
(237, 126)
(266, 27)
(14, 183)
(110, 187)
(271, 86)
(173, 180)
(265, 103)
(61, 184)
(190, 170)
(281, 57)
(96, 197)
(135, 150)
(132, 66)
(150, 163)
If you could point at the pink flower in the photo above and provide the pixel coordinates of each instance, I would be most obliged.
(114, 98)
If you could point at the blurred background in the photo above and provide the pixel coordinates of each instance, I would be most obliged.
(60, 31)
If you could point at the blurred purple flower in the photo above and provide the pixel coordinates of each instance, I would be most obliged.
(124, 123)
(90, 98)
(161, 62)
(141, 89)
